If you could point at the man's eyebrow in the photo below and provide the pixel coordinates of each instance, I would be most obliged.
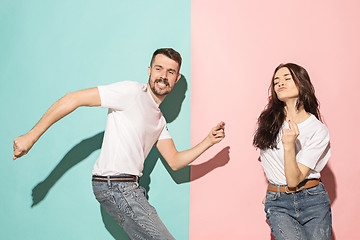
(276, 78)
(170, 69)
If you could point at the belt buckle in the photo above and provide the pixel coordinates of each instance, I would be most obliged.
(291, 191)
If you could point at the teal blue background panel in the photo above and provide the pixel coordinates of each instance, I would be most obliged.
(49, 48)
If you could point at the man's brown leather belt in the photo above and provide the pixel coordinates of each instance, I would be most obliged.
(120, 178)
(306, 184)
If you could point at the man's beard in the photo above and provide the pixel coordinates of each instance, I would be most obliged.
(155, 91)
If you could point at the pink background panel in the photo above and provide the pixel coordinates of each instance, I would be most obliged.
(236, 45)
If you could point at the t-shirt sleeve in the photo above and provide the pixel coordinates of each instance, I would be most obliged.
(315, 150)
(118, 95)
(164, 134)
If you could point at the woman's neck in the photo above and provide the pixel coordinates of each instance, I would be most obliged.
(298, 115)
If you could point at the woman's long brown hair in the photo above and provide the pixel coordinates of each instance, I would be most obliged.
(273, 116)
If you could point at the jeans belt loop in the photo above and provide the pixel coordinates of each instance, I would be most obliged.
(137, 181)
(108, 181)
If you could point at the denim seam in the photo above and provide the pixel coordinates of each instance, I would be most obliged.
(119, 212)
(145, 209)
(123, 198)
(138, 223)
(149, 215)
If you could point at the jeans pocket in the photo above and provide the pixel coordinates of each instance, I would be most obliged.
(97, 183)
(271, 196)
(103, 195)
(126, 188)
(107, 201)
(319, 189)
(270, 199)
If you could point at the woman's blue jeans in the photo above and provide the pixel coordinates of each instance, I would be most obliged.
(127, 204)
(301, 215)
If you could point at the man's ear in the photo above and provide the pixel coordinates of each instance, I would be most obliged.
(178, 77)
(149, 70)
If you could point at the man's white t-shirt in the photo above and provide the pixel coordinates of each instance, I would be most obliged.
(312, 149)
(134, 124)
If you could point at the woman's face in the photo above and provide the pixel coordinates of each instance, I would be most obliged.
(284, 85)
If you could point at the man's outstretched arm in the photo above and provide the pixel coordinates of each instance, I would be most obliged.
(178, 160)
(65, 105)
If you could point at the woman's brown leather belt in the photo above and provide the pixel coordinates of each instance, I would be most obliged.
(305, 184)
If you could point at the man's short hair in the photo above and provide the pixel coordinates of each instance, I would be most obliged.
(170, 53)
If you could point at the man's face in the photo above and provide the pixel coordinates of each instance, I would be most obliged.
(163, 74)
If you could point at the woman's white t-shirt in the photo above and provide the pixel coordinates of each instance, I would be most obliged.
(312, 149)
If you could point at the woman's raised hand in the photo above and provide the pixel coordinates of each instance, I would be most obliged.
(289, 135)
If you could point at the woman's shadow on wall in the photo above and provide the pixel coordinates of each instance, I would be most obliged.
(170, 108)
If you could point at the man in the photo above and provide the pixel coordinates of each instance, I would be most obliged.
(134, 125)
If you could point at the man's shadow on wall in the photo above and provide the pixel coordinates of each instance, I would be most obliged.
(170, 108)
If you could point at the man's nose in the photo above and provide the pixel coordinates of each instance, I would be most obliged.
(164, 74)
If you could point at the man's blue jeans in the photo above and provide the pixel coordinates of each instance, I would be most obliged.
(127, 204)
(301, 215)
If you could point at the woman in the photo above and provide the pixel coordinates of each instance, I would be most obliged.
(295, 147)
